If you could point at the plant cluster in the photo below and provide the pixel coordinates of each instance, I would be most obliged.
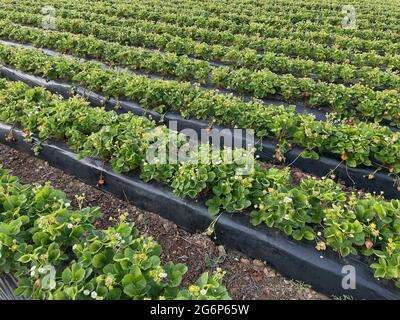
(56, 253)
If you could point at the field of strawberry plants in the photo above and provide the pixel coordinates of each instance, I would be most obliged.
(318, 82)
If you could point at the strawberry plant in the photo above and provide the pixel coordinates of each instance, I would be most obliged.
(56, 252)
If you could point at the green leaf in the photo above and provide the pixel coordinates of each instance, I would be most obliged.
(25, 258)
(213, 210)
(380, 211)
(308, 235)
(66, 276)
(380, 273)
(351, 163)
(345, 251)
(152, 262)
(114, 294)
(310, 154)
(203, 280)
(99, 260)
(288, 229)
(297, 235)
(79, 275)
(131, 291)
(391, 272)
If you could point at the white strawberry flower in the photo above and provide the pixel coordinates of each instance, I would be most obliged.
(287, 200)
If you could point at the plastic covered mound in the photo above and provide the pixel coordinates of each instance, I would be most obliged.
(7, 286)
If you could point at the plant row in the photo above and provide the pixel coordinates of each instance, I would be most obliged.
(56, 253)
(293, 6)
(247, 9)
(224, 37)
(192, 15)
(289, 47)
(115, 10)
(330, 72)
(245, 40)
(324, 8)
(261, 84)
(356, 143)
(315, 209)
(364, 7)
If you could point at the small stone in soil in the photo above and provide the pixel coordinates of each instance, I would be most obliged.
(258, 263)
(221, 250)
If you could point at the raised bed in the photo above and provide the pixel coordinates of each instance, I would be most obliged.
(352, 177)
(319, 114)
(294, 259)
